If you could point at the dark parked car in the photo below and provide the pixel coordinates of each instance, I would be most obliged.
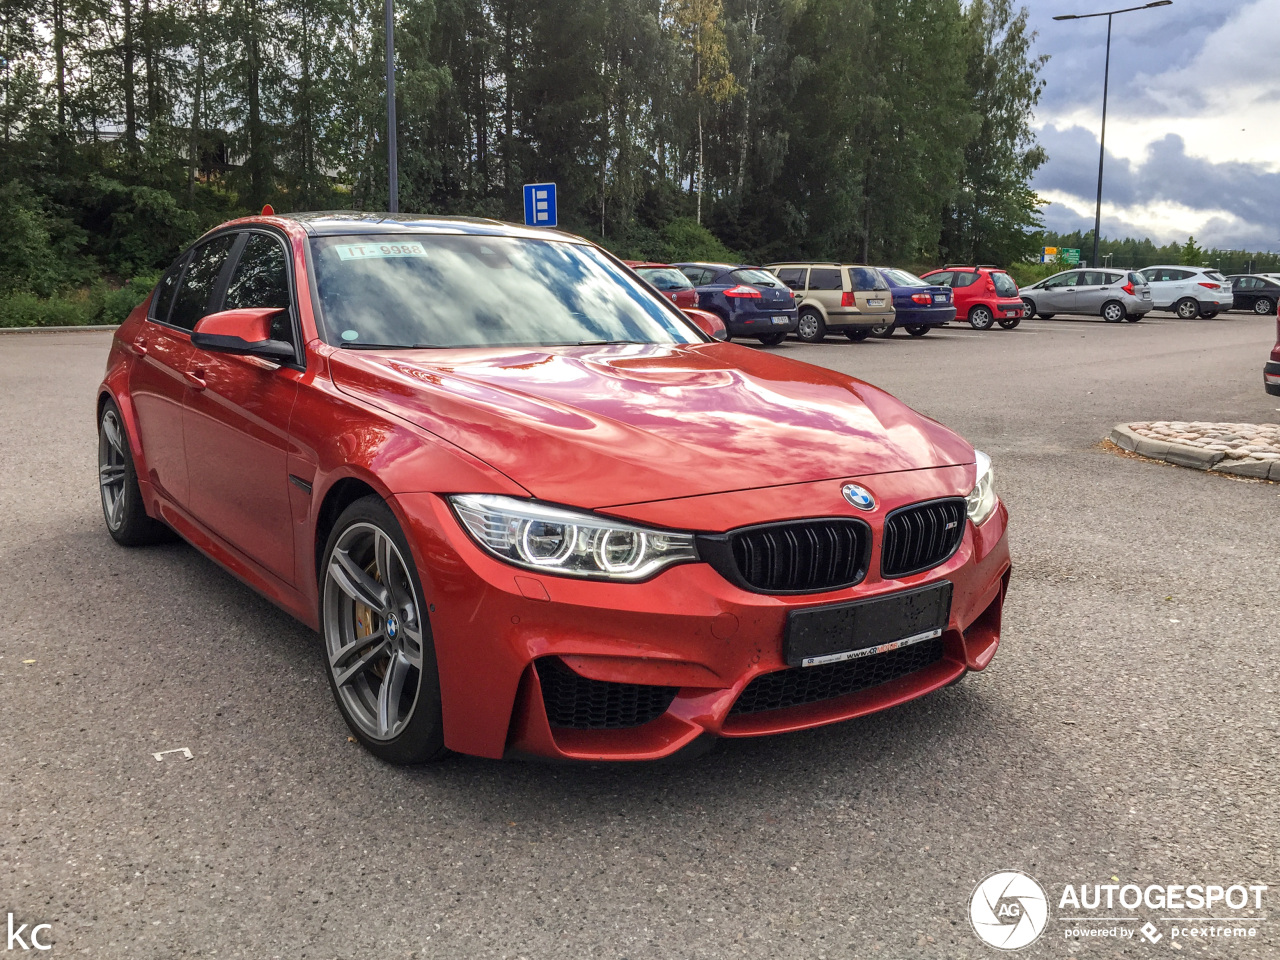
(1251, 291)
(751, 301)
(919, 305)
(668, 281)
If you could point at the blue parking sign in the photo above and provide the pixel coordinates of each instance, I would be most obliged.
(540, 204)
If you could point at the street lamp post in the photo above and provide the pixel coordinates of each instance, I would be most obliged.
(393, 172)
(1106, 77)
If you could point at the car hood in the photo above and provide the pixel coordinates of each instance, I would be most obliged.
(600, 426)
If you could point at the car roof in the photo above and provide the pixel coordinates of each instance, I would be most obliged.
(714, 266)
(348, 222)
(1176, 266)
(637, 264)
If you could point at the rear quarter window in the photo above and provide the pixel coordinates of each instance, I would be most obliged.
(964, 279)
(825, 278)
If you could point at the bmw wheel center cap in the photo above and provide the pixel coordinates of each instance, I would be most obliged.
(860, 497)
(393, 626)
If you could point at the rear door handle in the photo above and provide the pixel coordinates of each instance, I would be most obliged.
(196, 379)
(140, 347)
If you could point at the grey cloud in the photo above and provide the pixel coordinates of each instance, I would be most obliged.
(1249, 191)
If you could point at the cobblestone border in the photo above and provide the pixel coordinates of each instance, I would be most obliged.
(85, 327)
(1197, 458)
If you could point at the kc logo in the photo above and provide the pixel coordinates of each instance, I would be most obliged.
(33, 939)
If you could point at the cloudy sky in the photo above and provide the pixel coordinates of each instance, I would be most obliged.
(1193, 120)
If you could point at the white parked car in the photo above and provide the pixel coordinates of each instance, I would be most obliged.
(1189, 292)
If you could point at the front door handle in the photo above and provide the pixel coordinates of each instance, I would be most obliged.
(196, 379)
(140, 347)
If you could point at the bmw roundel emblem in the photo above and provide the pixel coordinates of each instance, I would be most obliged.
(860, 497)
(393, 626)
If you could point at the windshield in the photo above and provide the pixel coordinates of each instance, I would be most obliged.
(759, 278)
(665, 278)
(901, 278)
(1004, 284)
(434, 290)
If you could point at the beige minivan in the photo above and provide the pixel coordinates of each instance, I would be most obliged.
(837, 298)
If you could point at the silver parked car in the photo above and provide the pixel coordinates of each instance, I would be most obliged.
(1114, 295)
(1189, 292)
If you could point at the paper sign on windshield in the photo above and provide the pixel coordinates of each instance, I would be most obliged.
(367, 251)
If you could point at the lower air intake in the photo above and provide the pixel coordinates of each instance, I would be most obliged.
(580, 703)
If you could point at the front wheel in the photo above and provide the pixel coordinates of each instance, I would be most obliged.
(1264, 307)
(981, 318)
(1187, 308)
(917, 330)
(773, 339)
(1113, 311)
(1008, 323)
(1029, 305)
(858, 334)
(379, 652)
(122, 506)
(811, 328)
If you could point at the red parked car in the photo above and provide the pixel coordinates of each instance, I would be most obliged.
(668, 281)
(1271, 371)
(983, 295)
(531, 507)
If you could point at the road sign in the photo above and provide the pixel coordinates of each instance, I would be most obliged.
(1068, 255)
(540, 204)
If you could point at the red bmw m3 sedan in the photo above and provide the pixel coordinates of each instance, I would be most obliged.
(530, 506)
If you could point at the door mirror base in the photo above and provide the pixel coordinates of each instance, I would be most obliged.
(708, 323)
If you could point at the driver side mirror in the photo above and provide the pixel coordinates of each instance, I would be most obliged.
(245, 332)
(708, 323)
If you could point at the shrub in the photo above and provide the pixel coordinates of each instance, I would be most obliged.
(686, 239)
(28, 310)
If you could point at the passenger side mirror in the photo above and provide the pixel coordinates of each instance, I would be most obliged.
(708, 323)
(246, 332)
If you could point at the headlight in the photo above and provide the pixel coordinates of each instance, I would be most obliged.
(554, 540)
(982, 501)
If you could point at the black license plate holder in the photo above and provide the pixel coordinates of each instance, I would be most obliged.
(863, 628)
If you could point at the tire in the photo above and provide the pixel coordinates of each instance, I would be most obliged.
(773, 339)
(1008, 323)
(858, 334)
(1188, 308)
(811, 328)
(122, 507)
(368, 575)
(917, 330)
(1030, 306)
(1264, 307)
(1047, 316)
(981, 318)
(1209, 315)
(1113, 311)
(1134, 317)
(884, 331)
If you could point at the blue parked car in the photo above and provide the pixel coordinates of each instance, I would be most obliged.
(751, 301)
(918, 304)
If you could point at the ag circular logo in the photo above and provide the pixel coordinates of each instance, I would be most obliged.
(860, 497)
(1008, 910)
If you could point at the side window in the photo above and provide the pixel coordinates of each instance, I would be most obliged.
(260, 279)
(693, 273)
(199, 282)
(703, 277)
(964, 279)
(941, 279)
(163, 299)
(1065, 280)
(825, 278)
(1250, 283)
(1182, 274)
(793, 277)
(1093, 278)
(864, 278)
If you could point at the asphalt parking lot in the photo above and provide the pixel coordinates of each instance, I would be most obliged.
(1128, 726)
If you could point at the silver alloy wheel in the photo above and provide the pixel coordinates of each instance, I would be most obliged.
(807, 328)
(112, 473)
(1113, 312)
(1029, 306)
(372, 630)
(1263, 307)
(980, 318)
(1188, 309)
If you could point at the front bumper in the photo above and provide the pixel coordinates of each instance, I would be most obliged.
(688, 629)
(1271, 377)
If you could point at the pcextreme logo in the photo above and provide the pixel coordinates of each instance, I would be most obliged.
(20, 939)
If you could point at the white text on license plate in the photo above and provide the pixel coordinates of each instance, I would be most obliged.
(781, 320)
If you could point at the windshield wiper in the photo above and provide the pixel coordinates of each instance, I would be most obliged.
(350, 345)
(599, 343)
